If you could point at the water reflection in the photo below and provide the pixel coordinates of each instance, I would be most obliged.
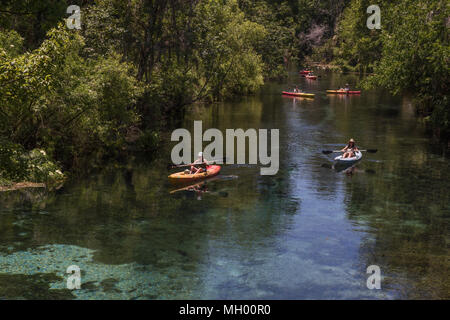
(349, 169)
(204, 187)
(308, 232)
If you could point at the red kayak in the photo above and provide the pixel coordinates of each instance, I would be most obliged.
(304, 72)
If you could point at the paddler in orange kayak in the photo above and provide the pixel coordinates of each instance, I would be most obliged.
(200, 160)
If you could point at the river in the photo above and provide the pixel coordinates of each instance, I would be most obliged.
(310, 232)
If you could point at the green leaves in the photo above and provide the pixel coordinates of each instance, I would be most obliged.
(415, 57)
(11, 42)
(53, 97)
(226, 57)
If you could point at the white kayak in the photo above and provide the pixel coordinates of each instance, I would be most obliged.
(357, 157)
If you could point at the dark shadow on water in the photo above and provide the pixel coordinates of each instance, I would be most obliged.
(35, 287)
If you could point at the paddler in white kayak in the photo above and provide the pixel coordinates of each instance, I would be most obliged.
(350, 149)
(200, 160)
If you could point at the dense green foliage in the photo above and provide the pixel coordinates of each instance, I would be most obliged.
(16, 164)
(415, 57)
(294, 29)
(55, 99)
(356, 47)
(409, 52)
(107, 89)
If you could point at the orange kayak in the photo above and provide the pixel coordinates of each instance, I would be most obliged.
(181, 177)
(311, 77)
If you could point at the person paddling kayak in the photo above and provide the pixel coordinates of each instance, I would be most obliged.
(350, 149)
(200, 160)
(347, 87)
(297, 90)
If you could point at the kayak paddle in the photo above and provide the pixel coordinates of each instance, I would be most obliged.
(370, 150)
(173, 166)
(337, 151)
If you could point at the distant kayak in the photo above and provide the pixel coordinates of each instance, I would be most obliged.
(341, 160)
(343, 92)
(211, 171)
(305, 72)
(299, 94)
(311, 77)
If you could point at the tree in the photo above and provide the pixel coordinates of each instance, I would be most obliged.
(415, 57)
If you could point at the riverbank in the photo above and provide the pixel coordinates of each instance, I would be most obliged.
(90, 94)
(22, 169)
(22, 185)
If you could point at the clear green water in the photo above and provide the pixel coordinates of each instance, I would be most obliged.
(309, 232)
